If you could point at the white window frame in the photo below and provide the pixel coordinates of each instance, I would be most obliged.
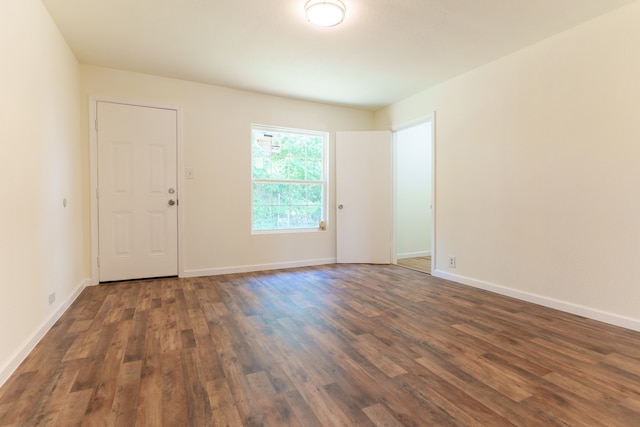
(325, 182)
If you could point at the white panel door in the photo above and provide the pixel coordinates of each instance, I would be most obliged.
(137, 192)
(363, 196)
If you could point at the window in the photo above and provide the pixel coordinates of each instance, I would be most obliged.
(288, 174)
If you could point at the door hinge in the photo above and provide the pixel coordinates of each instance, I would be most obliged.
(97, 193)
(96, 124)
(98, 260)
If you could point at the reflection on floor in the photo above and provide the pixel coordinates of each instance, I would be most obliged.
(422, 263)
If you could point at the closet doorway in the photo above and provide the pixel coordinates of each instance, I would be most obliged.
(413, 173)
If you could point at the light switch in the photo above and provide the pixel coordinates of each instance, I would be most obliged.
(189, 173)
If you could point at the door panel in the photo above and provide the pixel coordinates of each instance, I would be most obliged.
(137, 227)
(363, 195)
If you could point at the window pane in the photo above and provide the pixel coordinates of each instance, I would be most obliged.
(314, 194)
(263, 194)
(314, 148)
(291, 194)
(295, 168)
(261, 167)
(295, 145)
(313, 170)
(315, 215)
(279, 166)
(278, 206)
(290, 216)
(263, 218)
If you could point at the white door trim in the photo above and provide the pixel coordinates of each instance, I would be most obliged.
(93, 178)
(417, 121)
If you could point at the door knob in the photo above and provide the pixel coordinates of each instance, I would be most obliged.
(172, 202)
(340, 206)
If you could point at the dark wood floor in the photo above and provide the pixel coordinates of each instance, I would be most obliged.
(332, 345)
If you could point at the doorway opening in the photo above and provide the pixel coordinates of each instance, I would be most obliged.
(413, 181)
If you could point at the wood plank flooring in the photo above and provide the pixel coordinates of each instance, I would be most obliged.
(422, 263)
(336, 345)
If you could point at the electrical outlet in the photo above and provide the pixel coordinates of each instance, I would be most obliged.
(52, 298)
(452, 262)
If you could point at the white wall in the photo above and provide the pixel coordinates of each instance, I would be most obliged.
(413, 216)
(216, 144)
(41, 245)
(538, 169)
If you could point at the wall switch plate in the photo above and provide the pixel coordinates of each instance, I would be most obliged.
(189, 173)
(52, 298)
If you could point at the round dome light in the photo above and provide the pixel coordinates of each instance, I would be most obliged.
(325, 13)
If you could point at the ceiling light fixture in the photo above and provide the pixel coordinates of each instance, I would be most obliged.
(325, 13)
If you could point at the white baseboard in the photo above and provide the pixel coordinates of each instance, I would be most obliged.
(90, 282)
(256, 267)
(84, 284)
(19, 355)
(580, 310)
(413, 254)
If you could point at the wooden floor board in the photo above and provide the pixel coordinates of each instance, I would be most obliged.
(366, 345)
(422, 263)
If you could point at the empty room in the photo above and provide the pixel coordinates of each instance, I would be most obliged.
(208, 206)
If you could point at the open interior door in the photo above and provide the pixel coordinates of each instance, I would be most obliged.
(363, 196)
